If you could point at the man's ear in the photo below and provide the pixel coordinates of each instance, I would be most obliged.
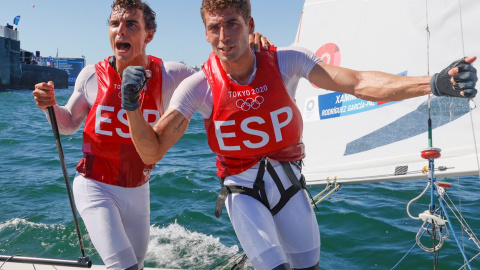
(206, 36)
(251, 24)
(150, 34)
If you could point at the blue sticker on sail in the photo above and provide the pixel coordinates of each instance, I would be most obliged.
(338, 104)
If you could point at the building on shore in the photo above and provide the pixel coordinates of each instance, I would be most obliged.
(72, 66)
(20, 69)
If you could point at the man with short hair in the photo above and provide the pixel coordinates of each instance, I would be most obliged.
(111, 187)
(255, 128)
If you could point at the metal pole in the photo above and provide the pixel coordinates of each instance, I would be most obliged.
(53, 121)
(82, 262)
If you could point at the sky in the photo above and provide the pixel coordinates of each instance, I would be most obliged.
(79, 28)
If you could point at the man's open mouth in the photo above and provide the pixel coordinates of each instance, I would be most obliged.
(122, 46)
(226, 49)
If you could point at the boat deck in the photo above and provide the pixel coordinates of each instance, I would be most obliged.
(28, 266)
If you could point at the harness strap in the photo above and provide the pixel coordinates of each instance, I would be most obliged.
(291, 175)
(285, 195)
(296, 182)
(222, 196)
(258, 191)
(252, 192)
(259, 184)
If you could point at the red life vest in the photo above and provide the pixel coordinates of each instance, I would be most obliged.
(253, 121)
(109, 155)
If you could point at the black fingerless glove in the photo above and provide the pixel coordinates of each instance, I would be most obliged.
(133, 81)
(465, 79)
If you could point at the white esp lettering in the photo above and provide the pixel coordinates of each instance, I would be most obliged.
(220, 135)
(122, 118)
(277, 126)
(276, 123)
(99, 119)
(246, 129)
(148, 113)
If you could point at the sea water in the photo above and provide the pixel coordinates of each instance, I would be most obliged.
(362, 226)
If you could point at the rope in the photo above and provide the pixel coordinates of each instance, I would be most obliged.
(465, 265)
(428, 39)
(461, 25)
(460, 211)
(230, 261)
(327, 188)
(5, 261)
(335, 189)
(414, 199)
(435, 250)
(471, 107)
(461, 220)
(406, 254)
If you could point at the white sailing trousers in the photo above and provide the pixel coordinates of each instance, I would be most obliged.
(117, 220)
(291, 236)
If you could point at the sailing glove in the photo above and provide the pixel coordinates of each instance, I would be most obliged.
(133, 81)
(465, 81)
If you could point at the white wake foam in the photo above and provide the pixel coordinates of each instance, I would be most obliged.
(176, 247)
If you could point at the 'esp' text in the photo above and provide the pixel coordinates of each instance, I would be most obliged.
(265, 138)
(104, 126)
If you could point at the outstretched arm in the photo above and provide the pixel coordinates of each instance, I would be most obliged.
(380, 86)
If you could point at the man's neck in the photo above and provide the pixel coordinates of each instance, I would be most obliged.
(241, 70)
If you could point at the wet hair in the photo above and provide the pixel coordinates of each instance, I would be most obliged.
(129, 5)
(243, 7)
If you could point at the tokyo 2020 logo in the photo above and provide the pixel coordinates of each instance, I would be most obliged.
(249, 103)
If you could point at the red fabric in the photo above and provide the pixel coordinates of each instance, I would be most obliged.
(253, 121)
(109, 154)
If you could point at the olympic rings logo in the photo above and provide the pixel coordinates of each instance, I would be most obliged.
(249, 103)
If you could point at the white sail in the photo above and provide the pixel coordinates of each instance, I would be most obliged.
(352, 140)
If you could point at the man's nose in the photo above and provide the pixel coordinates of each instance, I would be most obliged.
(223, 33)
(121, 29)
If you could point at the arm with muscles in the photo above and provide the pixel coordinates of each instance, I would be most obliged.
(69, 117)
(380, 86)
(151, 142)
